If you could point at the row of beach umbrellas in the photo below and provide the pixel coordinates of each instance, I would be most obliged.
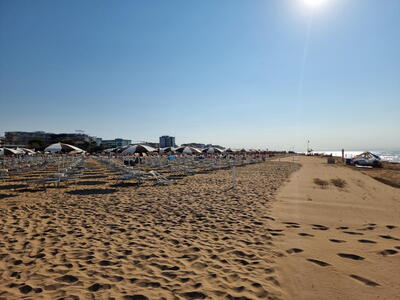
(53, 148)
(131, 149)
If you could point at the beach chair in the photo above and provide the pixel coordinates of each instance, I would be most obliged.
(161, 180)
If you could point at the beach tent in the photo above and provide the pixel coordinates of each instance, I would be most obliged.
(367, 159)
(63, 148)
(212, 150)
(188, 150)
(138, 149)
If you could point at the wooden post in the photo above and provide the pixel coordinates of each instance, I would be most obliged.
(343, 160)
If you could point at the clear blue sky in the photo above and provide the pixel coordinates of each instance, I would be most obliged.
(231, 72)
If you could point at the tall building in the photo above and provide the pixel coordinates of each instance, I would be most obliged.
(167, 141)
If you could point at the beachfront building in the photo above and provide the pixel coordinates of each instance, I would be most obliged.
(39, 139)
(167, 141)
(115, 143)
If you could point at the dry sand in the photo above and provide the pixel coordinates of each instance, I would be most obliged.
(340, 243)
(189, 240)
(197, 240)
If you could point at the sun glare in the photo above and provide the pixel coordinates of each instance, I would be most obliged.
(314, 3)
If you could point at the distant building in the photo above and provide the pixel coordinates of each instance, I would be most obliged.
(167, 141)
(42, 139)
(1, 141)
(115, 143)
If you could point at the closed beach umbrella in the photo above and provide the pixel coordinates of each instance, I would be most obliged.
(63, 148)
(188, 150)
(138, 149)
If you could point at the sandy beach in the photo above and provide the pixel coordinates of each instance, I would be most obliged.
(276, 235)
(189, 240)
(340, 243)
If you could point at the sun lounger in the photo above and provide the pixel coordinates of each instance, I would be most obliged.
(160, 179)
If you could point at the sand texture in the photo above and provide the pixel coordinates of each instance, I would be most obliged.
(188, 240)
(338, 242)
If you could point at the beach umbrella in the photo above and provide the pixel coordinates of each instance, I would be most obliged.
(138, 149)
(9, 151)
(110, 150)
(167, 149)
(63, 148)
(188, 150)
(212, 150)
(26, 151)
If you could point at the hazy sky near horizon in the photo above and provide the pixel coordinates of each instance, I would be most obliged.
(257, 74)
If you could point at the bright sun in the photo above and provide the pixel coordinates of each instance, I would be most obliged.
(314, 3)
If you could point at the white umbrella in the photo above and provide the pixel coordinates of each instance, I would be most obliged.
(64, 148)
(110, 150)
(26, 151)
(188, 150)
(138, 149)
(9, 151)
(212, 150)
(167, 149)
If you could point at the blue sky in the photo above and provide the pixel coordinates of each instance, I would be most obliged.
(257, 74)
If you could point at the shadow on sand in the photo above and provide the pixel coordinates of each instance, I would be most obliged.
(3, 196)
(92, 192)
(12, 186)
(90, 182)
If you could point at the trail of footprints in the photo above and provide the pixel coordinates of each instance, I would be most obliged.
(357, 233)
(179, 242)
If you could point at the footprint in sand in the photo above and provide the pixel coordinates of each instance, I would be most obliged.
(351, 256)
(391, 226)
(319, 227)
(294, 250)
(389, 237)
(337, 241)
(194, 295)
(318, 262)
(353, 233)
(387, 252)
(364, 280)
(306, 234)
(367, 241)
